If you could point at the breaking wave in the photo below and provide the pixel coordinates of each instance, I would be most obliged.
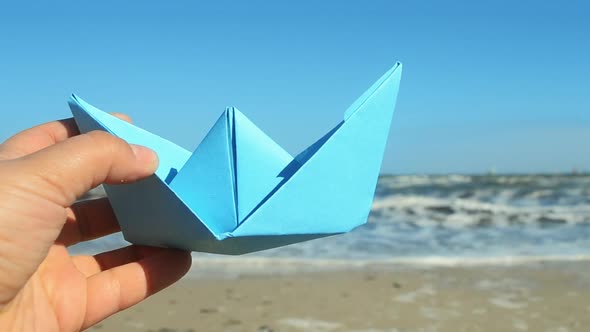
(449, 219)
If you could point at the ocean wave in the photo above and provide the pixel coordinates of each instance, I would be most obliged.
(461, 212)
(456, 218)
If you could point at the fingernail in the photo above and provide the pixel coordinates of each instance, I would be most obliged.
(145, 155)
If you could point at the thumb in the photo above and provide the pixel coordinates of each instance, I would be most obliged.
(67, 170)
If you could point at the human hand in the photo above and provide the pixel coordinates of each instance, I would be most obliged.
(43, 171)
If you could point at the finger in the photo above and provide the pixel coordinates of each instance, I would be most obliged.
(88, 220)
(122, 116)
(65, 171)
(91, 265)
(37, 138)
(86, 264)
(121, 287)
(42, 136)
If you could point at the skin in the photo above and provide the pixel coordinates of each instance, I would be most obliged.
(43, 171)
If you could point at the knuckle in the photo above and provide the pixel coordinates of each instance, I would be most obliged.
(100, 136)
(106, 141)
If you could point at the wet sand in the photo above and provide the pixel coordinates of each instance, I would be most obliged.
(533, 297)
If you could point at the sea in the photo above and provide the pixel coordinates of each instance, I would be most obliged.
(443, 220)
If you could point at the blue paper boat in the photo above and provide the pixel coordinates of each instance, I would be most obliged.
(239, 191)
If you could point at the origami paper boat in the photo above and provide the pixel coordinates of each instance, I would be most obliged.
(239, 191)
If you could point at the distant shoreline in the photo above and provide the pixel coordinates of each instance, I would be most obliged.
(579, 173)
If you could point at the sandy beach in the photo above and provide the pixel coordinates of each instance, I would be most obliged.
(541, 296)
(439, 253)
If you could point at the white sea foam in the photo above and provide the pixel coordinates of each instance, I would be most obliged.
(459, 212)
(231, 267)
(309, 324)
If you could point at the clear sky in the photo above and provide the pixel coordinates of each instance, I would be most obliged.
(503, 85)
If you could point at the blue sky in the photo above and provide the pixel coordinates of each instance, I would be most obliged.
(503, 85)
